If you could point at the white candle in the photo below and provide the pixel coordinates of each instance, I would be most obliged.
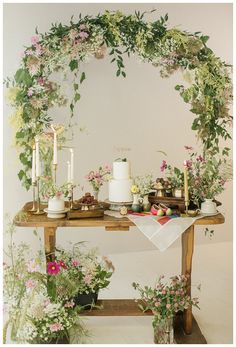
(68, 172)
(186, 197)
(72, 165)
(33, 166)
(37, 156)
(54, 146)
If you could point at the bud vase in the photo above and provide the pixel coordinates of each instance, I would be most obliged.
(146, 204)
(95, 194)
(208, 206)
(136, 207)
(164, 332)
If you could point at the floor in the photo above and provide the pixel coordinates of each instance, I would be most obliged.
(211, 269)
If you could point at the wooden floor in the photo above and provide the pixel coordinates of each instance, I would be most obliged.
(127, 307)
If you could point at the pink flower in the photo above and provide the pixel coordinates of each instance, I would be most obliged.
(108, 168)
(172, 292)
(30, 284)
(87, 279)
(83, 35)
(39, 49)
(46, 302)
(157, 304)
(82, 26)
(163, 165)
(58, 194)
(168, 306)
(188, 163)
(55, 327)
(164, 292)
(30, 92)
(34, 40)
(62, 264)
(188, 148)
(32, 266)
(75, 263)
(69, 304)
(200, 158)
(41, 81)
(53, 268)
(29, 52)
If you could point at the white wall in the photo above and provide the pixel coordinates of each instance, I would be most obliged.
(142, 112)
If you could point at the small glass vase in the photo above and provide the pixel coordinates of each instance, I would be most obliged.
(95, 194)
(164, 332)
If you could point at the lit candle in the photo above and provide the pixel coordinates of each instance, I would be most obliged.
(54, 146)
(186, 197)
(33, 165)
(72, 165)
(68, 172)
(37, 166)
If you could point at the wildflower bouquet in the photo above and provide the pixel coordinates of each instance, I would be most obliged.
(32, 314)
(97, 178)
(174, 175)
(165, 299)
(79, 271)
(143, 185)
(50, 190)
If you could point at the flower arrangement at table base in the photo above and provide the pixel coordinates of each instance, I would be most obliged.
(79, 274)
(33, 314)
(165, 300)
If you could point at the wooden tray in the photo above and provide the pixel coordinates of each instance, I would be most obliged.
(168, 201)
(77, 214)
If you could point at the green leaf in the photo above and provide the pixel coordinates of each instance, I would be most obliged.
(123, 74)
(77, 97)
(23, 76)
(73, 65)
(76, 86)
(21, 174)
(118, 73)
(82, 78)
(204, 38)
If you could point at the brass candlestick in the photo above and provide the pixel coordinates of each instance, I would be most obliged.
(71, 199)
(33, 209)
(39, 211)
(55, 173)
(186, 206)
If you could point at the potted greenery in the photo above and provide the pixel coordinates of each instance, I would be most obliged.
(80, 274)
(33, 314)
(165, 300)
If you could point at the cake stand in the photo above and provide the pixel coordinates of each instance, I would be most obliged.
(116, 206)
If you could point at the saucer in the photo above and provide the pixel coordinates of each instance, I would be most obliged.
(209, 214)
(56, 214)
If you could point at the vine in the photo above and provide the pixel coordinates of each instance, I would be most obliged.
(65, 47)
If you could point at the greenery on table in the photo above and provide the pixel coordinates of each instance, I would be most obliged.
(64, 47)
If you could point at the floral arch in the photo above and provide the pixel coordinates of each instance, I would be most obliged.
(64, 47)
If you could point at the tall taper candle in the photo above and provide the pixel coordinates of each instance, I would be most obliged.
(68, 172)
(186, 196)
(37, 156)
(72, 165)
(33, 166)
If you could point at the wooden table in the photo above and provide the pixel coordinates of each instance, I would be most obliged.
(113, 224)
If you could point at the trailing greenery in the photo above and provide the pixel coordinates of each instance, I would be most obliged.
(65, 47)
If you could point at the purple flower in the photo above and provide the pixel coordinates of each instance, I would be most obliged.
(163, 166)
(34, 40)
(83, 35)
(30, 92)
(188, 163)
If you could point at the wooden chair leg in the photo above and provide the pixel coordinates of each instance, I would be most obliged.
(49, 242)
(187, 254)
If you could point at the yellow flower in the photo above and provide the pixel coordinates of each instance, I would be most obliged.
(134, 189)
(12, 93)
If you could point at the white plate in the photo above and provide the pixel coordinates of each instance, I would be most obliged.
(208, 214)
(56, 212)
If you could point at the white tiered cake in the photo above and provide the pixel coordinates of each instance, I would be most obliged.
(120, 184)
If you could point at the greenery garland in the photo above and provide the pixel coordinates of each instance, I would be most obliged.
(65, 47)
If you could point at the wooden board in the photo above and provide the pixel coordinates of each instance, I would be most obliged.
(30, 220)
(77, 214)
(128, 307)
(168, 201)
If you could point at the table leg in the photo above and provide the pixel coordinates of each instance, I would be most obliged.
(49, 242)
(187, 254)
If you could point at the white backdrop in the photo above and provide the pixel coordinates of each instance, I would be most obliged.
(142, 112)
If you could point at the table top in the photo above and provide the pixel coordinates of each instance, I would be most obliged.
(26, 219)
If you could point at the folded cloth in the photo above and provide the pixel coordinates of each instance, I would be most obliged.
(163, 231)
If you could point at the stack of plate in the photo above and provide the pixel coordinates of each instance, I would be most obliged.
(56, 214)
